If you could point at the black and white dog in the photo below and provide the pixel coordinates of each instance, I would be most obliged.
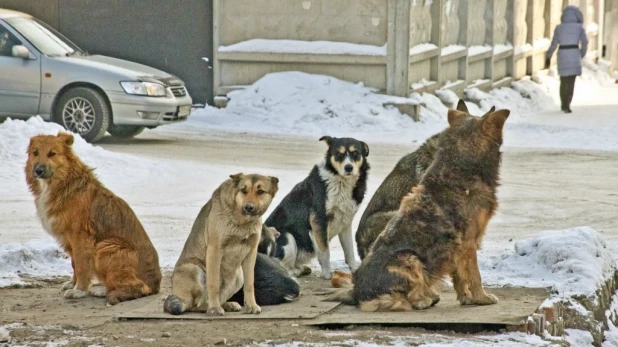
(321, 207)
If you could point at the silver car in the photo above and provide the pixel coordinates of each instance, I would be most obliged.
(43, 73)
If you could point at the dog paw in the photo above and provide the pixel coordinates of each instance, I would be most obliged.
(353, 267)
(254, 309)
(231, 306)
(98, 291)
(487, 299)
(75, 294)
(435, 300)
(68, 285)
(423, 303)
(326, 274)
(305, 271)
(215, 311)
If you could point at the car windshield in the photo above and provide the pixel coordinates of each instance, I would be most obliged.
(43, 37)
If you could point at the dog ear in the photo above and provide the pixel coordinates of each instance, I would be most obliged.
(461, 106)
(494, 122)
(491, 110)
(365, 149)
(456, 118)
(67, 138)
(237, 177)
(328, 139)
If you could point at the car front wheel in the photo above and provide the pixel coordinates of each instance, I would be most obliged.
(125, 131)
(83, 111)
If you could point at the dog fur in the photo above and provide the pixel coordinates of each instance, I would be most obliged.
(273, 285)
(100, 232)
(321, 207)
(385, 201)
(219, 255)
(439, 226)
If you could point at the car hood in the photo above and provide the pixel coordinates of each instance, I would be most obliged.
(122, 67)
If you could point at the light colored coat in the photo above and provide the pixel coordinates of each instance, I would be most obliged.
(569, 32)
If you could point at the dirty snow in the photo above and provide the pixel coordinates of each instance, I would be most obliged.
(433, 340)
(572, 261)
(580, 338)
(304, 47)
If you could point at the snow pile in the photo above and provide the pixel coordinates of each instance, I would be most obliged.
(500, 48)
(38, 258)
(573, 262)
(450, 49)
(476, 50)
(611, 334)
(313, 105)
(304, 47)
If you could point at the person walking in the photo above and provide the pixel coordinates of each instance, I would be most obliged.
(570, 38)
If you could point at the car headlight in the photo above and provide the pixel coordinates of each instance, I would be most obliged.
(144, 88)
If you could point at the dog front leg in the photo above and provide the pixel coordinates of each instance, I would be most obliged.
(213, 277)
(468, 272)
(324, 260)
(83, 259)
(347, 243)
(248, 271)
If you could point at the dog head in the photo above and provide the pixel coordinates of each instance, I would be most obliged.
(268, 240)
(253, 193)
(473, 138)
(49, 156)
(346, 156)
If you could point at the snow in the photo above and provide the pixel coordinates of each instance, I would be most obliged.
(476, 50)
(542, 43)
(580, 338)
(37, 258)
(500, 48)
(522, 48)
(572, 262)
(592, 28)
(304, 47)
(450, 49)
(611, 334)
(421, 48)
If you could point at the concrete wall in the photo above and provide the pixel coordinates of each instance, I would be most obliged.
(430, 44)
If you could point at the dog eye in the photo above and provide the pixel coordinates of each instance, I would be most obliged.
(36, 153)
(51, 154)
(339, 156)
(355, 155)
(244, 190)
(260, 192)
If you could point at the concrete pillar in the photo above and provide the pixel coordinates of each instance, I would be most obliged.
(398, 48)
(437, 14)
(536, 31)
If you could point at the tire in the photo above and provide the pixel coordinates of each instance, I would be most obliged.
(83, 111)
(124, 131)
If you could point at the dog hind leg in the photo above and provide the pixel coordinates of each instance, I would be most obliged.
(116, 264)
(188, 290)
(228, 290)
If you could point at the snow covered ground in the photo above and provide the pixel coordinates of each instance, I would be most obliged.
(570, 261)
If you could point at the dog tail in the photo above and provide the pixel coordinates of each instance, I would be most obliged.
(173, 305)
(341, 279)
(344, 295)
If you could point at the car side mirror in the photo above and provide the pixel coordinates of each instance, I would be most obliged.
(20, 51)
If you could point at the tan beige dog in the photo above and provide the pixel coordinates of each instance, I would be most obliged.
(96, 228)
(219, 256)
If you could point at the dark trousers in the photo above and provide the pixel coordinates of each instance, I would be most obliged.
(567, 85)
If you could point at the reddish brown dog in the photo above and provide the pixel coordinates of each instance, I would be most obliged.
(100, 232)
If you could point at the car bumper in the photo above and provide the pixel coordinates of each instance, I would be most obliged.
(148, 111)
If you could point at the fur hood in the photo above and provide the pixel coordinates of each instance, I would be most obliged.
(572, 14)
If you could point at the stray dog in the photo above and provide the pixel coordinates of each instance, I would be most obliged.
(321, 207)
(385, 201)
(273, 285)
(219, 255)
(439, 226)
(99, 231)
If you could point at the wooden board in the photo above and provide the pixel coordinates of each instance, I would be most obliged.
(513, 308)
(307, 306)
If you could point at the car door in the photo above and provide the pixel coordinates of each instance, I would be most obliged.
(20, 79)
